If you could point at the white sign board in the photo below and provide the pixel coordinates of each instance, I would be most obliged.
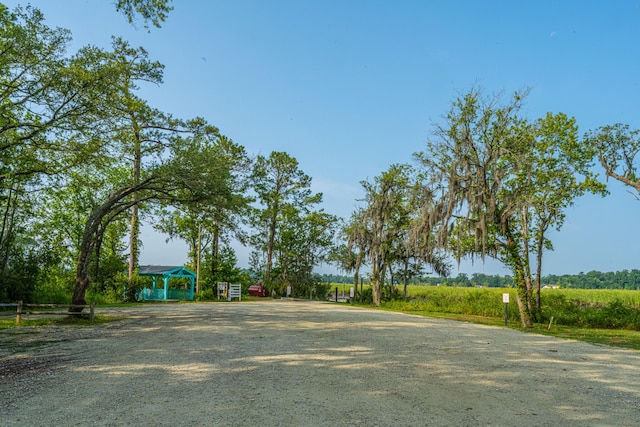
(352, 293)
(505, 298)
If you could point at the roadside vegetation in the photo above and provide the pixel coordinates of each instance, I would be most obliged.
(8, 321)
(603, 316)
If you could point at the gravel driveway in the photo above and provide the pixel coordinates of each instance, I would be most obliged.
(289, 363)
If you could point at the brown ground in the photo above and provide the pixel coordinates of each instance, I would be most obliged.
(288, 363)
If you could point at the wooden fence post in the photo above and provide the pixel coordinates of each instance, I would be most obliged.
(19, 312)
(91, 312)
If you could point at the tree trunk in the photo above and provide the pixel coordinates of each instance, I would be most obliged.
(198, 259)
(356, 276)
(355, 280)
(96, 266)
(377, 296)
(7, 233)
(135, 223)
(526, 267)
(92, 230)
(378, 273)
(84, 261)
(539, 276)
(5, 217)
(215, 250)
(133, 242)
(405, 276)
(270, 243)
(514, 260)
(82, 282)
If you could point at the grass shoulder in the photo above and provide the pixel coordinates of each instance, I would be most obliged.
(623, 338)
(27, 325)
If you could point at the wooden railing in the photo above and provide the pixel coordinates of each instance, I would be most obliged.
(20, 310)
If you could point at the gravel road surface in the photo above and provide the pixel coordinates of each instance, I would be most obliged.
(294, 363)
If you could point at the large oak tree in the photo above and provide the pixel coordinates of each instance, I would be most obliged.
(502, 180)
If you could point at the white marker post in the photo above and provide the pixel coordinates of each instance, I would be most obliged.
(505, 300)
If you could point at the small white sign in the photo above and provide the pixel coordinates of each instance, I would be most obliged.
(505, 298)
(352, 293)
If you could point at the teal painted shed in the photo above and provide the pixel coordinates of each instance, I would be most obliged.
(166, 273)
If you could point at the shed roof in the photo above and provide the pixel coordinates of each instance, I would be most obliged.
(165, 270)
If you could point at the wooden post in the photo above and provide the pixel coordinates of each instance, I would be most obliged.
(91, 312)
(19, 312)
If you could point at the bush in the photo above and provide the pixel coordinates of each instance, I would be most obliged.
(54, 289)
(205, 295)
(364, 297)
(566, 307)
(573, 312)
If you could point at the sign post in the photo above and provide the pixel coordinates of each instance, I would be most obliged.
(505, 300)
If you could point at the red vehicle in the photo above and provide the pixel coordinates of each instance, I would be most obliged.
(258, 290)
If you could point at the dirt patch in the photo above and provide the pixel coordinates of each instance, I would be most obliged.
(21, 367)
(284, 363)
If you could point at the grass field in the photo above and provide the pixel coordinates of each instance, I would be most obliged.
(609, 317)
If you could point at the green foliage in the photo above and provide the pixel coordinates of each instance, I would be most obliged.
(504, 182)
(133, 286)
(54, 286)
(208, 225)
(477, 302)
(290, 235)
(593, 309)
(618, 149)
(224, 268)
(8, 324)
(365, 296)
(151, 11)
(78, 138)
(207, 294)
(20, 271)
(114, 291)
(588, 313)
(625, 279)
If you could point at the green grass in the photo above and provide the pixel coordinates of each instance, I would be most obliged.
(598, 296)
(611, 337)
(10, 323)
(609, 317)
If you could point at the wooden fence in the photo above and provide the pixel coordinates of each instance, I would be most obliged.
(20, 310)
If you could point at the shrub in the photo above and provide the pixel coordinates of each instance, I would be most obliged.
(205, 295)
(365, 296)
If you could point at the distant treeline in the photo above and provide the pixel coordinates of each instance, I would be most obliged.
(625, 279)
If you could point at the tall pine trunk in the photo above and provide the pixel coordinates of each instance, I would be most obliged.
(135, 223)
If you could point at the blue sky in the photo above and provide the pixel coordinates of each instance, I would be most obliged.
(349, 87)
